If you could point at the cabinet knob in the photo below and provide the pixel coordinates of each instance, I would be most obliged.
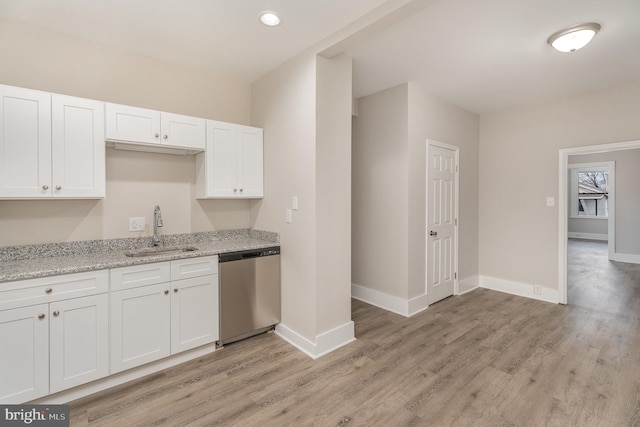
(45, 187)
(241, 190)
(58, 187)
(175, 290)
(41, 316)
(56, 313)
(157, 135)
(166, 137)
(235, 190)
(166, 292)
(48, 290)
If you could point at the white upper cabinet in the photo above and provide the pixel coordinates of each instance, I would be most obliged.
(232, 166)
(50, 145)
(78, 152)
(153, 130)
(25, 143)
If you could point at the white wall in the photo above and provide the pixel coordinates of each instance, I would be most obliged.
(627, 198)
(44, 60)
(389, 188)
(304, 107)
(380, 194)
(519, 170)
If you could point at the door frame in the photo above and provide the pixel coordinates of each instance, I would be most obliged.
(563, 205)
(456, 150)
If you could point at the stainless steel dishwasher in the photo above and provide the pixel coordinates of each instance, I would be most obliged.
(249, 293)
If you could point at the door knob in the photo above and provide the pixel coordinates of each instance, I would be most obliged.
(433, 233)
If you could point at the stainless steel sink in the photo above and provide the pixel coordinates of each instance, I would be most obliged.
(160, 251)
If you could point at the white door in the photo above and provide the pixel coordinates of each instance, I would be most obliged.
(222, 159)
(194, 312)
(250, 161)
(183, 131)
(441, 246)
(126, 123)
(140, 326)
(25, 143)
(78, 150)
(79, 341)
(24, 357)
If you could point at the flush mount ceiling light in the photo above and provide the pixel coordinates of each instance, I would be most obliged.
(574, 38)
(270, 19)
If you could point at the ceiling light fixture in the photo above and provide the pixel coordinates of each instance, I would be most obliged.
(270, 19)
(574, 38)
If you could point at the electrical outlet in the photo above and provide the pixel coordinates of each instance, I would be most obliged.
(537, 289)
(137, 224)
(288, 216)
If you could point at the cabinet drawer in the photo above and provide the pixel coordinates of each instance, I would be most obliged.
(140, 275)
(194, 267)
(23, 293)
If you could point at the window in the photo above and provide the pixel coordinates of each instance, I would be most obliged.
(590, 190)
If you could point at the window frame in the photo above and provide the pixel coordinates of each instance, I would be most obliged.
(574, 170)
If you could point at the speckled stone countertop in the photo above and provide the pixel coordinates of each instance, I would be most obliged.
(32, 261)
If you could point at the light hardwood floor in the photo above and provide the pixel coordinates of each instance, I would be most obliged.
(481, 359)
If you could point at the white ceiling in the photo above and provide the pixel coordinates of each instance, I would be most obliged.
(480, 55)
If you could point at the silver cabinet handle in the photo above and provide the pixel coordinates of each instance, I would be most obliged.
(235, 190)
(48, 290)
(45, 187)
(166, 292)
(58, 187)
(175, 290)
(157, 135)
(41, 316)
(241, 190)
(433, 233)
(166, 137)
(56, 313)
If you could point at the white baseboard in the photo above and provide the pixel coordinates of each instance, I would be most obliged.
(401, 306)
(519, 289)
(588, 236)
(468, 284)
(630, 258)
(123, 377)
(325, 343)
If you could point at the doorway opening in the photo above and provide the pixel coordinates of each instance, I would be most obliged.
(565, 208)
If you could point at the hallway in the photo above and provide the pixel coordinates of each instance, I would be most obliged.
(595, 282)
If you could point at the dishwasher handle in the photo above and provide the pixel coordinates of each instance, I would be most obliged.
(251, 254)
(248, 254)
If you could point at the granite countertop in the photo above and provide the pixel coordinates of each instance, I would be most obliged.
(33, 261)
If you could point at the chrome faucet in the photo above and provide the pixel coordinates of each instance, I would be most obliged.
(157, 222)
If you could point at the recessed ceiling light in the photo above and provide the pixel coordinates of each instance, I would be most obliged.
(574, 38)
(270, 19)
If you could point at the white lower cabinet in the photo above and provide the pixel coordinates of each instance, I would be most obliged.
(155, 320)
(54, 333)
(24, 358)
(78, 341)
(139, 326)
(193, 322)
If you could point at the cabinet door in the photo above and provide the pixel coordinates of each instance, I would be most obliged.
(78, 149)
(25, 143)
(183, 131)
(79, 341)
(250, 161)
(24, 358)
(221, 160)
(125, 123)
(194, 312)
(140, 326)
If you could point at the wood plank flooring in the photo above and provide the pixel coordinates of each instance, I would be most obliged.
(481, 359)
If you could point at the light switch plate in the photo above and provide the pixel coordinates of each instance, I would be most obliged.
(294, 203)
(551, 202)
(288, 216)
(137, 224)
